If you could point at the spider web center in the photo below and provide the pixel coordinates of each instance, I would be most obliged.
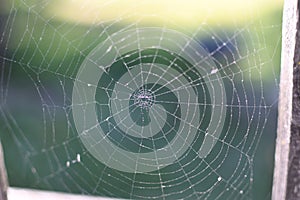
(144, 98)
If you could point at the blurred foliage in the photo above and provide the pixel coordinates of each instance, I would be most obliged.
(48, 40)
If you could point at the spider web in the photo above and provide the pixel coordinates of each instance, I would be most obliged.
(132, 108)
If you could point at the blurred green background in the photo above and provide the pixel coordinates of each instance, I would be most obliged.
(43, 44)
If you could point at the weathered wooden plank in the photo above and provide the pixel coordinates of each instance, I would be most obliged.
(293, 179)
(281, 170)
(30, 194)
(3, 177)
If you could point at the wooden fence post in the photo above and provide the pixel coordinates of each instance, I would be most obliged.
(286, 181)
(3, 177)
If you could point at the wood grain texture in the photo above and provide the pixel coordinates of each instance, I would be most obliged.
(3, 177)
(289, 29)
(293, 179)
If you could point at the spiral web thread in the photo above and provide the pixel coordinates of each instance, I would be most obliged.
(189, 107)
